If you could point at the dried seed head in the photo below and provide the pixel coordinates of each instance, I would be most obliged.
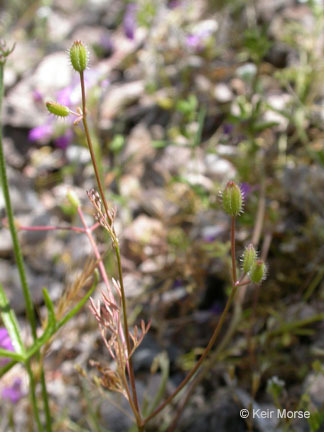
(232, 199)
(57, 109)
(79, 56)
(258, 271)
(248, 258)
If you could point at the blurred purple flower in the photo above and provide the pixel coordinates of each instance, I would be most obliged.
(196, 40)
(246, 189)
(104, 83)
(37, 96)
(40, 132)
(193, 41)
(5, 343)
(228, 128)
(129, 21)
(178, 283)
(14, 392)
(64, 140)
(210, 238)
(64, 96)
(217, 308)
(173, 4)
(106, 44)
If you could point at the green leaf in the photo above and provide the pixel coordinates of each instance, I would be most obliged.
(10, 321)
(50, 309)
(11, 354)
(7, 367)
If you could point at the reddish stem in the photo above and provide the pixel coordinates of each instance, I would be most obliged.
(233, 251)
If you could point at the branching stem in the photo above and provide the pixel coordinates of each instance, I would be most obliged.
(116, 247)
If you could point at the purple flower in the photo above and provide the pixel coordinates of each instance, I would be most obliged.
(178, 283)
(193, 41)
(5, 343)
(40, 133)
(129, 22)
(217, 308)
(106, 44)
(14, 392)
(64, 140)
(228, 128)
(173, 4)
(104, 83)
(64, 96)
(246, 189)
(37, 96)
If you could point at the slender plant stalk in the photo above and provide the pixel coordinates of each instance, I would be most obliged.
(201, 359)
(234, 279)
(21, 269)
(16, 246)
(241, 282)
(32, 390)
(45, 395)
(116, 247)
(235, 286)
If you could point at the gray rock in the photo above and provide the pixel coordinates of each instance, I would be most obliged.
(221, 415)
(23, 198)
(9, 278)
(222, 93)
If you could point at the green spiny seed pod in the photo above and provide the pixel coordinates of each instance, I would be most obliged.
(258, 271)
(57, 109)
(232, 199)
(79, 56)
(248, 258)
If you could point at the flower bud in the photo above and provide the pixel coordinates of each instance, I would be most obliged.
(57, 109)
(232, 199)
(248, 258)
(258, 272)
(73, 199)
(79, 56)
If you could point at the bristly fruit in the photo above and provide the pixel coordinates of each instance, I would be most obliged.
(258, 272)
(57, 109)
(232, 199)
(248, 258)
(79, 56)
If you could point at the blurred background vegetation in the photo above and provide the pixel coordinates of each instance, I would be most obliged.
(183, 96)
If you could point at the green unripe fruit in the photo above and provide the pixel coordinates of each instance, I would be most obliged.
(258, 272)
(232, 199)
(57, 109)
(73, 199)
(248, 259)
(79, 56)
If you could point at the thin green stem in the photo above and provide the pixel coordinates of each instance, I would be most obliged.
(20, 264)
(201, 359)
(234, 278)
(219, 326)
(122, 290)
(45, 397)
(17, 250)
(32, 390)
(116, 247)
